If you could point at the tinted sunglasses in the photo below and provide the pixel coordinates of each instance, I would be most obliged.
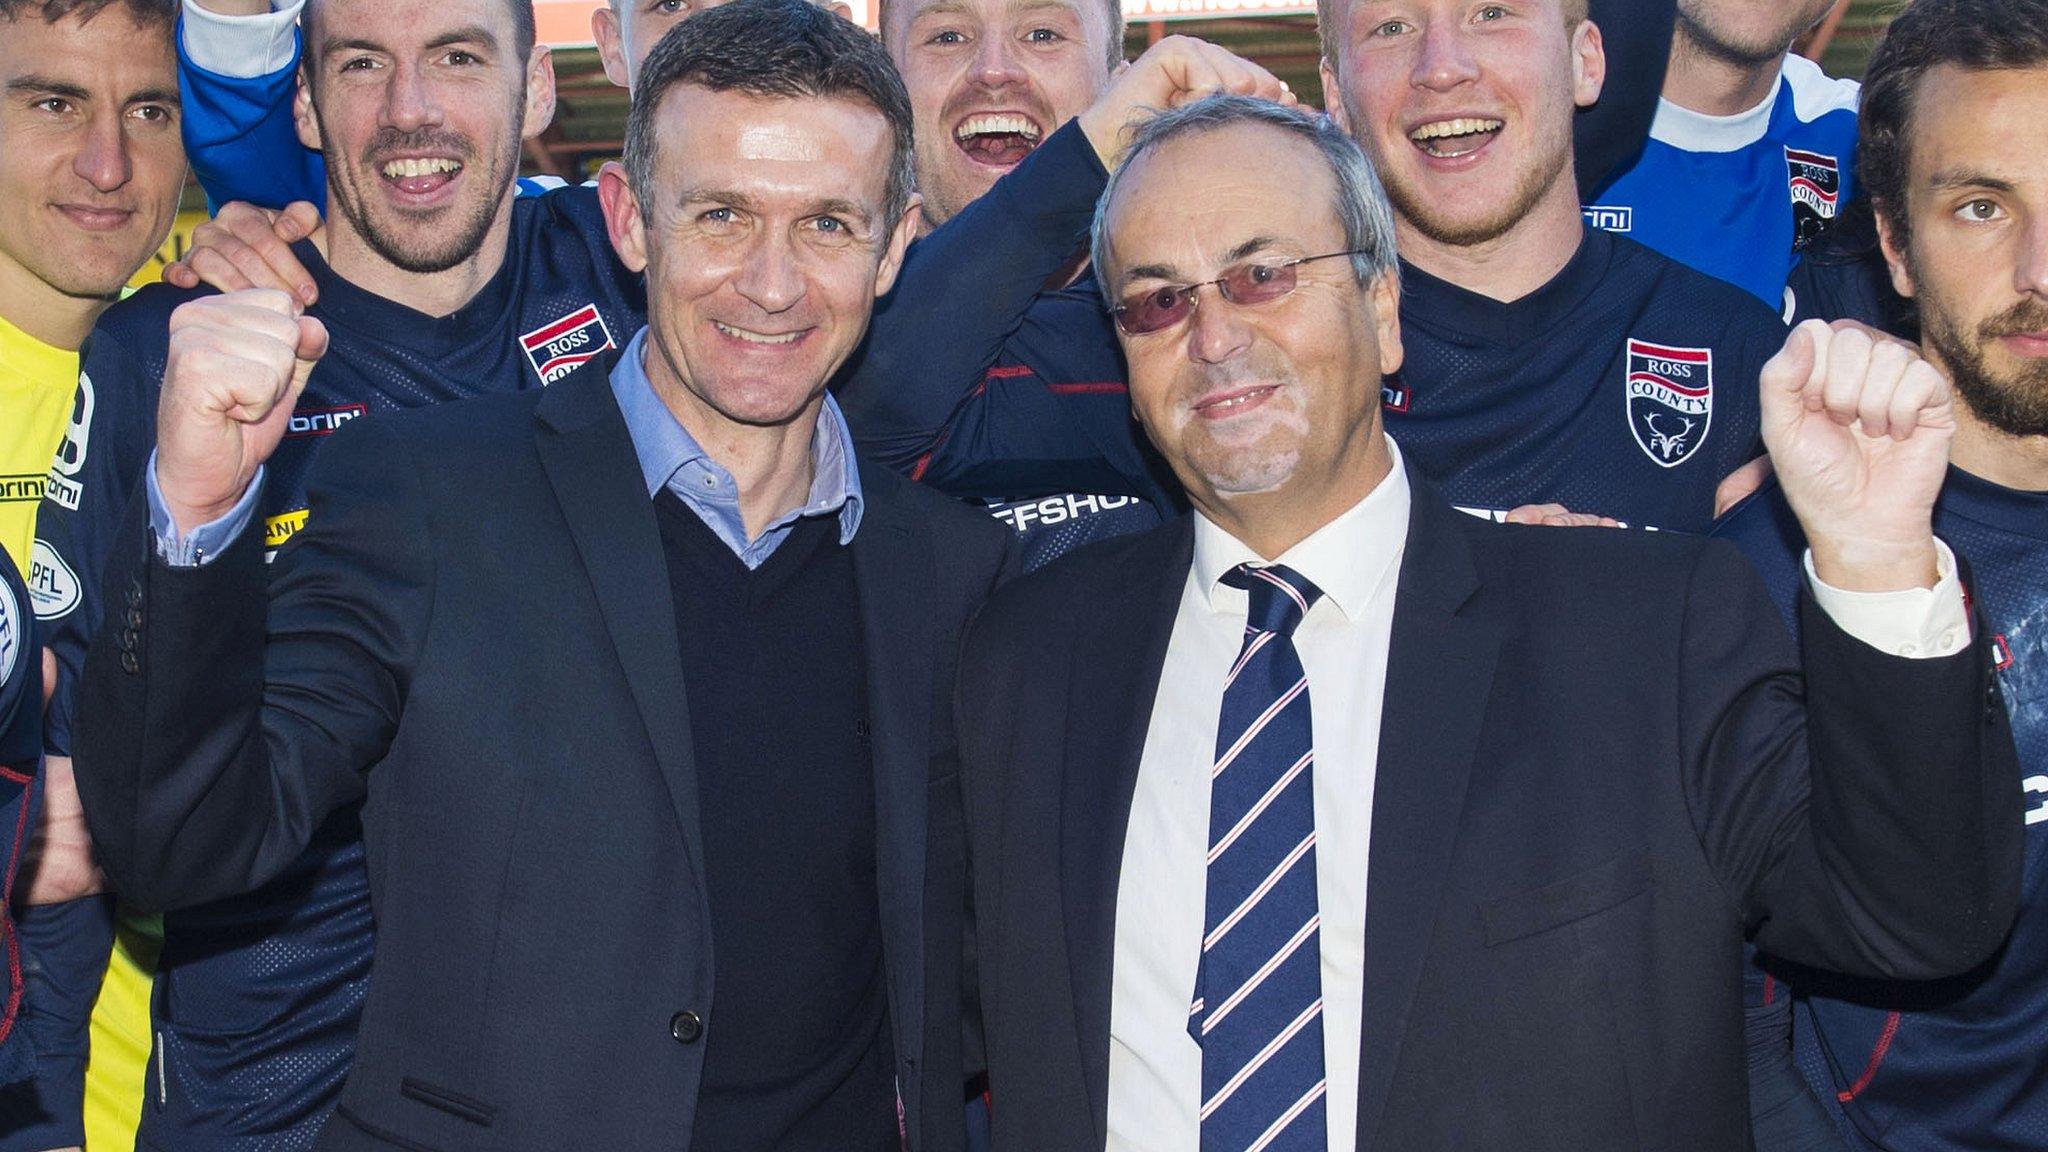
(1157, 309)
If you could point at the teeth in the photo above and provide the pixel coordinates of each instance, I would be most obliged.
(418, 166)
(1447, 128)
(990, 124)
(756, 337)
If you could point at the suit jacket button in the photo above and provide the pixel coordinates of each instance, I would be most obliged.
(685, 1027)
(134, 617)
(130, 664)
(135, 593)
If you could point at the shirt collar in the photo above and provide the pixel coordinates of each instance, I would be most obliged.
(1351, 558)
(664, 447)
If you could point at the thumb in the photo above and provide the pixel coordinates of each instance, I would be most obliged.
(312, 346)
(297, 221)
(1787, 373)
(49, 676)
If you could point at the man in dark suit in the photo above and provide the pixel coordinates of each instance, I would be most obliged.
(640, 679)
(1330, 818)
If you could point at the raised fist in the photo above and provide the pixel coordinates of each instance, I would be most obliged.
(236, 367)
(1175, 71)
(1858, 427)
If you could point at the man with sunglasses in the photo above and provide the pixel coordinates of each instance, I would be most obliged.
(1350, 864)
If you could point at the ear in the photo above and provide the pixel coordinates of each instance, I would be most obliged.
(540, 93)
(622, 220)
(1333, 97)
(841, 9)
(899, 241)
(1385, 293)
(1589, 64)
(611, 45)
(1889, 239)
(304, 117)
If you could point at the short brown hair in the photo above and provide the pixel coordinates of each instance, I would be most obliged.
(1977, 35)
(776, 48)
(154, 14)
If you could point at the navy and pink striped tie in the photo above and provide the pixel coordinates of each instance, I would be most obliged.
(1258, 1009)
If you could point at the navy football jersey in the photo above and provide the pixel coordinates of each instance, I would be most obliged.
(1625, 387)
(257, 997)
(1958, 1064)
(21, 748)
(1063, 409)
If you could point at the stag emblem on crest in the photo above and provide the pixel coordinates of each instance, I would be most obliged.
(1670, 395)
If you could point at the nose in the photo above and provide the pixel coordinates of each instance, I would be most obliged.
(2032, 273)
(1217, 331)
(996, 63)
(102, 158)
(771, 276)
(409, 101)
(1444, 59)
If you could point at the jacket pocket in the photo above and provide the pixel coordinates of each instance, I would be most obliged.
(1571, 899)
(454, 1103)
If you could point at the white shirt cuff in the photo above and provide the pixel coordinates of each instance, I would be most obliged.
(1921, 623)
(243, 47)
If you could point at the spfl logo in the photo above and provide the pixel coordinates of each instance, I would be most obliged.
(1670, 400)
(1816, 183)
(557, 349)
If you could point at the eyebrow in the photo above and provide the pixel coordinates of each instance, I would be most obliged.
(1250, 247)
(1951, 179)
(740, 200)
(49, 86)
(473, 34)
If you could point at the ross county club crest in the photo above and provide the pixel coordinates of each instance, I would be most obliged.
(1670, 400)
(556, 349)
(1816, 183)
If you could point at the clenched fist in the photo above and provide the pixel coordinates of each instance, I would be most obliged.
(236, 367)
(1858, 427)
(1175, 71)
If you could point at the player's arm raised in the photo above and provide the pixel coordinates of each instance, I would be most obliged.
(237, 364)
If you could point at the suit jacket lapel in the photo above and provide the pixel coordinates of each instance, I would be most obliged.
(589, 459)
(892, 568)
(1117, 663)
(1439, 673)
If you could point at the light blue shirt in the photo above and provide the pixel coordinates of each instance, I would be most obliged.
(669, 458)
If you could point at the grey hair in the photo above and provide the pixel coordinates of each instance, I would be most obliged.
(1361, 201)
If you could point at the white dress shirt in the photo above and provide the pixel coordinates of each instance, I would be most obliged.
(1155, 1068)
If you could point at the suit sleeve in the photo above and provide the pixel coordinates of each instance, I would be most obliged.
(962, 295)
(1611, 133)
(241, 138)
(213, 743)
(1865, 825)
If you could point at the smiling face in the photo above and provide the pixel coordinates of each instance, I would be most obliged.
(1747, 31)
(989, 80)
(1975, 254)
(90, 160)
(1279, 399)
(1465, 106)
(420, 106)
(765, 240)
